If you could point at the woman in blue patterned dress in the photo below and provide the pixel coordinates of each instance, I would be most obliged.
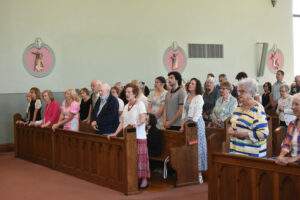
(192, 110)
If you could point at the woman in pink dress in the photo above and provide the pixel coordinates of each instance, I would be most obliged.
(69, 116)
(52, 109)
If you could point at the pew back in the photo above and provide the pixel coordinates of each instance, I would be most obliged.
(107, 162)
(181, 148)
(237, 177)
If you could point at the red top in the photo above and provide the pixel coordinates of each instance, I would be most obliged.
(52, 112)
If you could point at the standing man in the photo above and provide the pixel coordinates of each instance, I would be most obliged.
(174, 102)
(95, 86)
(276, 87)
(105, 116)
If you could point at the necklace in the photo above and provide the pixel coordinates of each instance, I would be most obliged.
(131, 105)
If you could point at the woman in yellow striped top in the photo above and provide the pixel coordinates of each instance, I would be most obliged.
(249, 127)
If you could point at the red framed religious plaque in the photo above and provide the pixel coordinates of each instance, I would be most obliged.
(38, 59)
(275, 59)
(174, 58)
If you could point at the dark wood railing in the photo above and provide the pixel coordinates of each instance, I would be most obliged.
(237, 177)
(107, 162)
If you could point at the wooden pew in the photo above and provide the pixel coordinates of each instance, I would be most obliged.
(110, 163)
(237, 177)
(182, 151)
(16, 118)
(85, 127)
(216, 142)
(278, 136)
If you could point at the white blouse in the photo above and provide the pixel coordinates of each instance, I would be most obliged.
(195, 108)
(131, 117)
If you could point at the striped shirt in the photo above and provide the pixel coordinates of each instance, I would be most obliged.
(291, 143)
(253, 122)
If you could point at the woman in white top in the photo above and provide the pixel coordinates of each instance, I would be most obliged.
(192, 110)
(157, 100)
(134, 114)
(284, 104)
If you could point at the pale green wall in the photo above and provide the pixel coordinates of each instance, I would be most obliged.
(125, 39)
(122, 40)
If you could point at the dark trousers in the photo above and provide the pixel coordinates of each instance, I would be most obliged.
(282, 123)
(174, 128)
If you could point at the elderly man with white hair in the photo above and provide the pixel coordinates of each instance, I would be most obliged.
(249, 127)
(95, 86)
(295, 87)
(210, 96)
(105, 116)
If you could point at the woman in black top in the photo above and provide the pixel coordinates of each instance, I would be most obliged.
(35, 107)
(85, 105)
(266, 97)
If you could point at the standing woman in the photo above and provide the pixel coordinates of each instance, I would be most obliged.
(52, 110)
(267, 97)
(192, 110)
(35, 107)
(157, 100)
(249, 127)
(284, 105)
(135, 114)
(115, 92)
(85, 104)
(69, 116)
(224, 107)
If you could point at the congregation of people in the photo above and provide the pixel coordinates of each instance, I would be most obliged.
(171, 103)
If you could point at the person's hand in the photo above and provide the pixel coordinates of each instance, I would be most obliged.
(181, 129)
(44, 125)
(94, 125)
(55, 126)
(111, 135)
(86, 121)
(167, 124)
(20, 122)
(31, 124)
(291, 159)
(231, 132)
(281, 160)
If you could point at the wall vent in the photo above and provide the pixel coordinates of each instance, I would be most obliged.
(206, 51)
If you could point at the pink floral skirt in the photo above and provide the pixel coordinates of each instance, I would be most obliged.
(142, 159)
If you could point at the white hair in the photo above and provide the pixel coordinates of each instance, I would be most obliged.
(97, 82)
(250, 86)
(105, 86)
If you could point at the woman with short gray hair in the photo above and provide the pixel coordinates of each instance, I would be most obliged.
(249, 127)
(250, 86)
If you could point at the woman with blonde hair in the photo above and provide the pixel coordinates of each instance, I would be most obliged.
(52, 109)
(69, 116)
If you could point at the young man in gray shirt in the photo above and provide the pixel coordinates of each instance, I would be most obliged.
(174, 102)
